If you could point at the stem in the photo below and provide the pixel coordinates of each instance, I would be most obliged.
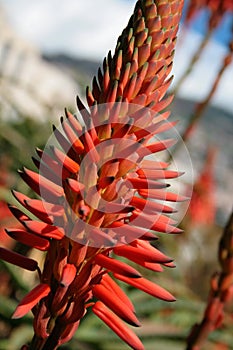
(52, 342)
(219, 293)
(200, 332)
(36, 343)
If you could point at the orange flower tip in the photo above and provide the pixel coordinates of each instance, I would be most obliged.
(66, 161)
(176, 198)
(152, 266)
(141, 254)
(170, 264)
(148, 287)
(18, 214)
(151, 174)
(116, 305)
(44, 229)
(14, 193)
(44, 210)
(39, 151)
(144, 184)
(168, 210)
(19, 196)
(180, 173)
(67, 113)
(165, 227)
(18, 259)
(161, 195)
(31, 299)
(39, 211)
(176, 230)
(151, 207)
(157, 147)
(39, 183)
(68, 274)
(115, 323)
(110, 284)
(28, 239)
(116, 266)
(81, 106)
(149, 236)
(75, 186)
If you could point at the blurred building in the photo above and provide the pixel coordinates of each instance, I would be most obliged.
(29, 85)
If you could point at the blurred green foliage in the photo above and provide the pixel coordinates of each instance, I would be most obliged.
(18, 138)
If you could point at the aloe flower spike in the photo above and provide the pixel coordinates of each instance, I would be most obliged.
(100, 192)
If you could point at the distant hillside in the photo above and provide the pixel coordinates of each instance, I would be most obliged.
(216, 123)
(86, 68)
(89, 67)
(29, 86)
(82, 70)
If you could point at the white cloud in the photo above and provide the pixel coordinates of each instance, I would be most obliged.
(85, 28)
(90, 28)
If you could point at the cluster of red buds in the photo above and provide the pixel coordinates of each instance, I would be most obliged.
(101, 188)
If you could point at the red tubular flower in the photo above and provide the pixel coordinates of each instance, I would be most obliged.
(32, 298)
(98, 193)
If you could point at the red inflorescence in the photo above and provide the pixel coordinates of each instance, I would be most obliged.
(100, 197)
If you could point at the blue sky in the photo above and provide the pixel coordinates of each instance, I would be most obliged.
(222, 34)
(38, 22)
(90, 28)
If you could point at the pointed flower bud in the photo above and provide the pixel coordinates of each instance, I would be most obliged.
(31, 299)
